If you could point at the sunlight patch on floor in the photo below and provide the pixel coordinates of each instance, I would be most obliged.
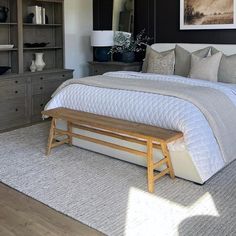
(148, 214)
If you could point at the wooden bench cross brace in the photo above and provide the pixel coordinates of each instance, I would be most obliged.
(83, 122)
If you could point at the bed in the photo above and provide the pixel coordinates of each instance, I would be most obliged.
(196, 157)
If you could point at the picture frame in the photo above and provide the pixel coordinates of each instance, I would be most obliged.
(200, 15)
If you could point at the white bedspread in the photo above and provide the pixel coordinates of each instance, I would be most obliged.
(153, 109)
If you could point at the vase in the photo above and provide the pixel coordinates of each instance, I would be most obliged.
(3, 13)
(128, 57)
(39, 62)
(33, 67)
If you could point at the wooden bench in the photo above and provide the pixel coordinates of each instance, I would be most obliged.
(150, 136)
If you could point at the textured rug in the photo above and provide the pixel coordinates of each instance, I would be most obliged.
(110, 195)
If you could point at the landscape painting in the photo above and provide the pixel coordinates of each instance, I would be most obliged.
(207, 14)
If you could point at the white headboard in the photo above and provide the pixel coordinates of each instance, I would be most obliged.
(227, 49)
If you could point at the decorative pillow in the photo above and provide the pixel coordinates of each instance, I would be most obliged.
(150, 50)
(183, 59)
(205, 68)
(227, 71)
(161, 63)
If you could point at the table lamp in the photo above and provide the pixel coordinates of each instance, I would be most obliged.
(102, 40)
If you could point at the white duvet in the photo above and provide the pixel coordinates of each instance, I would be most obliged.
(163, 111)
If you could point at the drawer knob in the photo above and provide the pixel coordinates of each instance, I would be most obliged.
(41, 88)
(16, 109)
(41, 78)
(41, 105)
(16, 81)
(63, 75)
(16, 91)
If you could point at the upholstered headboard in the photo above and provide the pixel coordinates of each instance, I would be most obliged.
(227, 49)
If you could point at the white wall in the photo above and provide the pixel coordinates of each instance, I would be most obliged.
(78, 27)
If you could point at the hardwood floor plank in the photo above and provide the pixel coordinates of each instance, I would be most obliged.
(22, 216)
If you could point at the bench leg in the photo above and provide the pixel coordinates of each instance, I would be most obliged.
(150, 170)
(166, 154)
(51, 136)
(69, 125)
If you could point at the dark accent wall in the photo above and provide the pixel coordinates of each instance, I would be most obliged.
(102, 14)
(160, 18)
(167, 27)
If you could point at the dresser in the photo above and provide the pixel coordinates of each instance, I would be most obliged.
(23, 96)
(98, 68)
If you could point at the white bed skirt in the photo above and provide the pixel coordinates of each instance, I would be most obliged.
(182, 163)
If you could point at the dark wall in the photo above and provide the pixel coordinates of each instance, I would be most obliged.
(102, 14)
(160, 18)
(167, 27)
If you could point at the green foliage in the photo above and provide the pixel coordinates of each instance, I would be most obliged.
(126, 43)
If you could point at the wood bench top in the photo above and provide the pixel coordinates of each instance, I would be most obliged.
(114, 124)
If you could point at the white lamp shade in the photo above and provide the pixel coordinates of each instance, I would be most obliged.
(104, 38)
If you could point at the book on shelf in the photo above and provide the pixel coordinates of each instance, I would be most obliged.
(39, 14)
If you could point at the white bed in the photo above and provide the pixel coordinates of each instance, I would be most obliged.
(195, 158)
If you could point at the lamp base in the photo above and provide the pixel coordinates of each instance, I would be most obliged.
(102, 54)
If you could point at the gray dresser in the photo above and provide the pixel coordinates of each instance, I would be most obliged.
(23, 96)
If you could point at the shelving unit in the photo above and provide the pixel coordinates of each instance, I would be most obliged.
(33, 89)
(8, 35)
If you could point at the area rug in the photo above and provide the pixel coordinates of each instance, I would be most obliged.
(110, 195)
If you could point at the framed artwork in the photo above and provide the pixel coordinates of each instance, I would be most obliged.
(207, 14)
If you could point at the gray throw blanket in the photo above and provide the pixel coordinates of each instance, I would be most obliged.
(217, 108)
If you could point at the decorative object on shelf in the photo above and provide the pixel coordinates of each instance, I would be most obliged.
(126, 45)
(7, 46)
(4, 69)
(39, 62)
(102, 41)
(39, 14)
(36, 45)
(3, 14)
(29, 18)
(33, 67)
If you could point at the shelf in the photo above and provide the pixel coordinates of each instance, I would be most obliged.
(42, 48)
(8, 49)
(8, 23)
(43, 25)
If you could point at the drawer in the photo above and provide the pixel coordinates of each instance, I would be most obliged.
(52, 76)
(14, 91)
(38, 104)
(46, 87)
(13, 113)
(12, 82)
(99, 70)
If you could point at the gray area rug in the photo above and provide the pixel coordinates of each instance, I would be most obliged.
(110, 195)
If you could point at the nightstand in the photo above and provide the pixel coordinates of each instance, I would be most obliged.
(98, 68)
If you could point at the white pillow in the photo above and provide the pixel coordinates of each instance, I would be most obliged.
(205, 68)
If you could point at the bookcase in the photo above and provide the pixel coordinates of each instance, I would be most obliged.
(25, 93)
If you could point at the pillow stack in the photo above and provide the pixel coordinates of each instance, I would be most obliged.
(206, 64)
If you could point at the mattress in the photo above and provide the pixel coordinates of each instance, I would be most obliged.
(154, 109)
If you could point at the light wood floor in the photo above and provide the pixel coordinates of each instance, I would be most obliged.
(22, 216)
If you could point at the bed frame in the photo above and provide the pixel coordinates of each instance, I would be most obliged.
(182, 163)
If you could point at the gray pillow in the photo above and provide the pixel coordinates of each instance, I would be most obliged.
(150, 50)
(227, 69)
(205, 68)
(183, 59)
(159, 63)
